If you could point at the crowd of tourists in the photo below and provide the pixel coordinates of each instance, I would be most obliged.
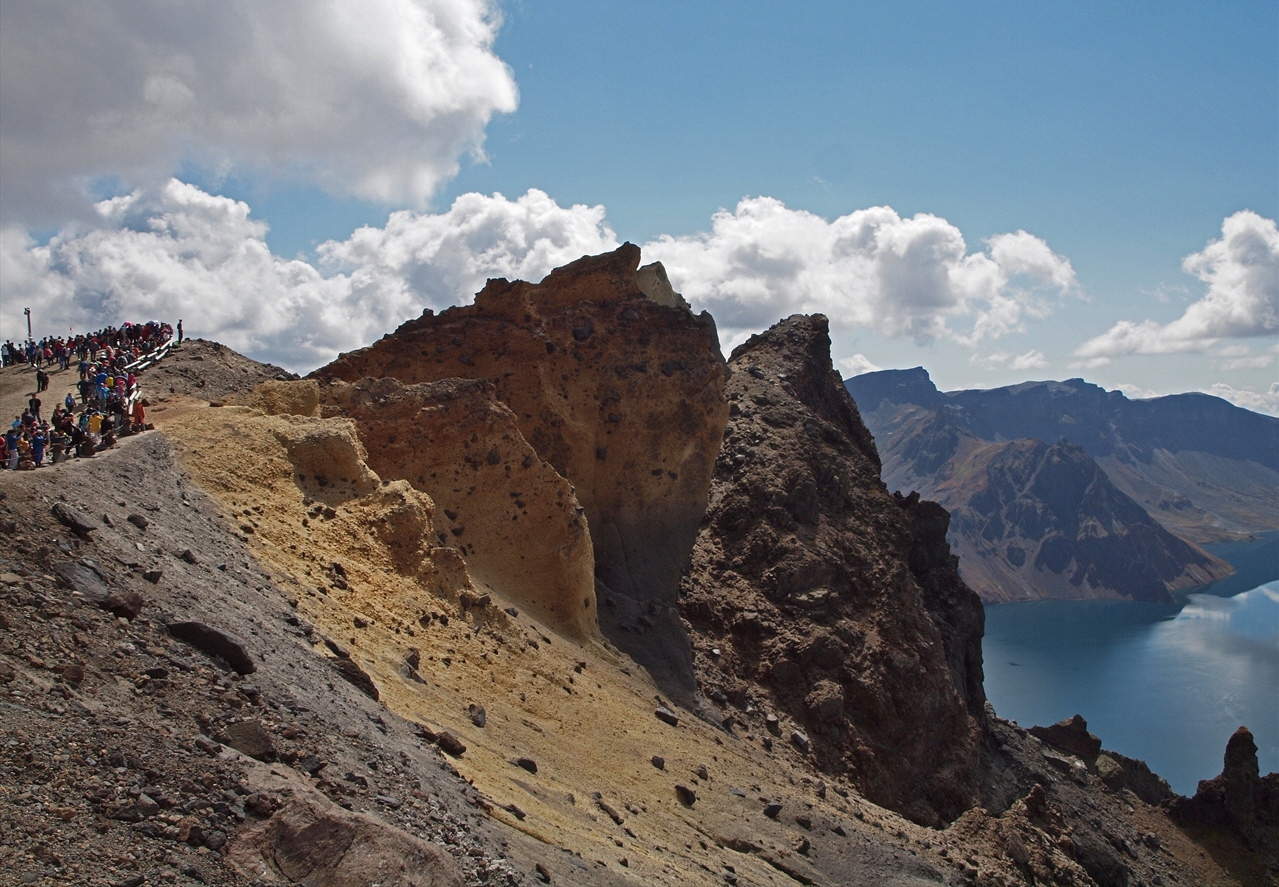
(132, 340)
(109, 405)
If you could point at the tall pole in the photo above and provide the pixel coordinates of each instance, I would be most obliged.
(27, 311)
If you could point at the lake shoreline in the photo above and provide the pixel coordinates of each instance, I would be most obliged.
(1166, 683)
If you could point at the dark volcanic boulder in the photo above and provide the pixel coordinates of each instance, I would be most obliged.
(813, 588)
(215, 642)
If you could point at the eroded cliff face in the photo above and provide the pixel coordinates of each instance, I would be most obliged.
(620, 394)
(814, 591)
(489, 493)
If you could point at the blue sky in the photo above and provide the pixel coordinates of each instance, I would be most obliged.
(1122, 137)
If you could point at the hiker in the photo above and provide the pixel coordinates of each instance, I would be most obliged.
(38, 441)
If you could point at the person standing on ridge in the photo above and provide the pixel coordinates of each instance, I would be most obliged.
(179, 331)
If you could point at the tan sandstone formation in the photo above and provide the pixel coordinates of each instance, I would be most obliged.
(490, 492)
(514, 519)
(621, 394)
(816, 594)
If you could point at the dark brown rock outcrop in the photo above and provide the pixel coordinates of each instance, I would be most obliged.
(622, 395)
(1239, 799)
(811, 587)
(1071, 735)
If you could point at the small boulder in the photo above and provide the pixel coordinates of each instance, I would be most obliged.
(250, 738)
(215, 642)
(123, 604)
(450, 744)
(667, 716)
(1070, 735)
(356, 677)
(82, 578)
(686, 795)
(659, 762)
(527, 763)
(74, 520)
(477, 714)
(261, 804)
(138, 521)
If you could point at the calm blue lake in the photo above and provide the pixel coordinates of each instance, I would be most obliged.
(1167, 683)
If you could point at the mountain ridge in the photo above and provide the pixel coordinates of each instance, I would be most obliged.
(1205, 468)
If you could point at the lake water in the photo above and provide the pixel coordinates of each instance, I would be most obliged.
(1166, 683)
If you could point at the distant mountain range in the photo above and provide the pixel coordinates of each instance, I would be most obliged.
(1066, 490)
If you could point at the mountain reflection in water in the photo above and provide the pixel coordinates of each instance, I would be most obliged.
(1162, 682)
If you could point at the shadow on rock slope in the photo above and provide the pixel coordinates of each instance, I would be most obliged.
(814, 591)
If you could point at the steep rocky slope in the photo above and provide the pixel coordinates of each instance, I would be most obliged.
(802, 588)
(621, 392)
(1030, 519)
(237, 651)
(1206, 469)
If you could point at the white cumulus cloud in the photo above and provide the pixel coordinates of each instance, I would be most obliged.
(1135, 392)
(175, 250)
(1242, 273)
(857, 365)
(1258, 401)
(178, 252)
(376, 98)
(998, 360)
(872, 269)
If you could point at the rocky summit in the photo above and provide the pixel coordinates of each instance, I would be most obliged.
(620, 390)
(802, 592)
(540, 590)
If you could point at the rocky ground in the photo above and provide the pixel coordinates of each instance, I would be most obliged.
(120, 741)
(217, 667)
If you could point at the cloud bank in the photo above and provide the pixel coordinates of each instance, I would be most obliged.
(1242, 273)
(1029, 360)
(376, 98)
(176, 251)
(871, 269)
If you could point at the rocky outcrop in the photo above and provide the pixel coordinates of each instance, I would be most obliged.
(1239, 799)
(1072, 736)
(620, 394)
(1029, 519)
(813, 591)
(515, 521)
(316, 843)
(952, 605)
